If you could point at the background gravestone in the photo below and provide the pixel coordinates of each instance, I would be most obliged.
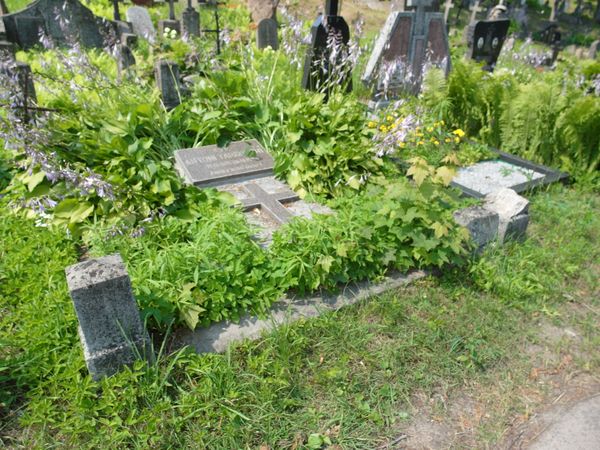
(110, 328)
(166, 74)
(407, 42)
(266, 34)
(190, 19)
(141, 22)
(318, 71)
(262, 9)
(488, 38)
(23, 27)
(171, 23)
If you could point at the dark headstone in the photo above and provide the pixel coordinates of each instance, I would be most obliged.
(319, 73)
(129, 39)
(163, 25)
(191, 22)
(407, 42)
(167, 81)
(488, 38)
(77, 24)
(125, 58)
(266, 34)
(110, 328)
(214, 166)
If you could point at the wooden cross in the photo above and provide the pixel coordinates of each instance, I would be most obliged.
(273, 204)
(448, 5)
(474, 10)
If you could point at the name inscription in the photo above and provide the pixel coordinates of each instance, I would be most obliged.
(212, 165)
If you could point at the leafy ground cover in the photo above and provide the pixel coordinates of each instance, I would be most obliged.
(97, 177)
(348, 378)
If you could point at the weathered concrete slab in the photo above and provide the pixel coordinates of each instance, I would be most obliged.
(217, 337)
(578, 429)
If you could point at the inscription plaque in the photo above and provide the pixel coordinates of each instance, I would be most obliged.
(212, 166)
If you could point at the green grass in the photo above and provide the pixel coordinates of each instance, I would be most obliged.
(346, 377)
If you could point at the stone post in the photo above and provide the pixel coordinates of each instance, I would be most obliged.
(110, 328)
(167, 80)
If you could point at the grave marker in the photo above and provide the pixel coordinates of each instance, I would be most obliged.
(266, 34)
(166, 74)
(488, 38)
(171, 23)
(245, 170)
(23, 27)
(507, 171)
(594, 49)
(191, 21)
(318, 70)
(447, 7)
(141, 22)
(407, 43)
(110, 328)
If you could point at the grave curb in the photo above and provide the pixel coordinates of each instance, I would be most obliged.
(217, 337)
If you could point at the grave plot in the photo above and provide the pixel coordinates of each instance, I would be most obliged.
(507, 171)
(245, 170)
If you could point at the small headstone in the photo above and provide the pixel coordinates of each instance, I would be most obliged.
(110, 328)
(245, 170)
(167, 80)
(512, 210)
(594, 50)
(481, 223)
(23, 27)
(165, 25)
(408, 42)
(266, 34)
(141, 22)
(318, 72)
(125, 58)
(129, 39)
(488, 38)
(191, 22)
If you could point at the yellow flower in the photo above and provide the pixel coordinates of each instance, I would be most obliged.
(420, 143)
(371, 124)
(442, 123)
(383, 128)
(457, 139)
(430, 129)
(389, 118)
(402, 144)
(419, 134)
(436, 142)
(460, 133)
(447, 140)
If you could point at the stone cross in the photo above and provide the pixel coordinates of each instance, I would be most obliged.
(171, 10)
(110, 328)
(474, 10)
(447, 7)
(190, 21)
(272, 203)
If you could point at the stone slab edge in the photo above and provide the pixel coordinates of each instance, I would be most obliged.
(217, 337)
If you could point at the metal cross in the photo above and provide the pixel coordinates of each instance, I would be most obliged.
(217, 29)
(271, 203)
(476, 9)
(116, 13)
(449, 5)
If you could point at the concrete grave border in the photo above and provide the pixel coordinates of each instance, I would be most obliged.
(217, 337)
(550, 175)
